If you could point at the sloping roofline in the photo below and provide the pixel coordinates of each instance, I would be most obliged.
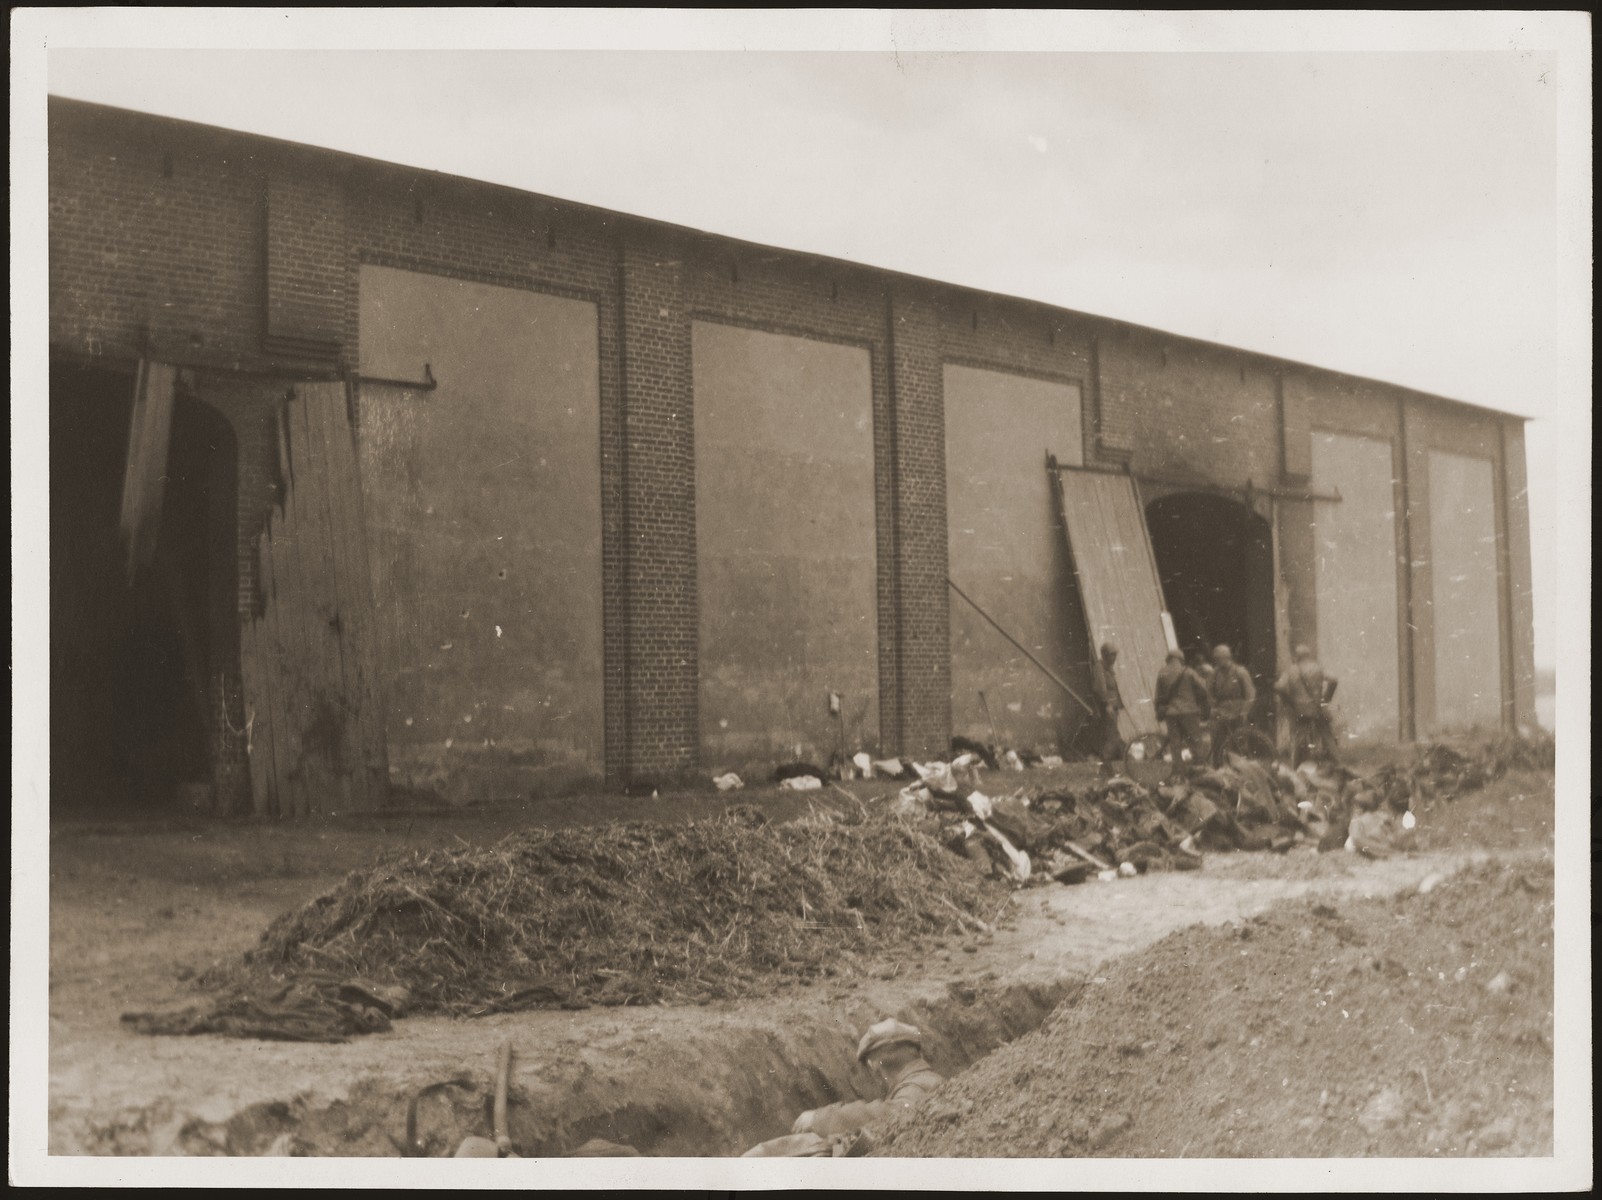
(345, 158)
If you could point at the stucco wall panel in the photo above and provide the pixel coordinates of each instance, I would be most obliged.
(1355, 572)
(1007, 553)
(1465, 591)
(786, 544)
(483, 510)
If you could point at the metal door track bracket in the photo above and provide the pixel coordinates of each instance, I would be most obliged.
(428, 383)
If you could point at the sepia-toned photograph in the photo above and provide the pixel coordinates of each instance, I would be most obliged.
(947, 586)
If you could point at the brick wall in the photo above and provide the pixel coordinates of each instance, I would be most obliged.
(305, 242)
(218, 249)
(660, 611)
(398, 218)
(152, 238)
(922, 594)
(1188, 410)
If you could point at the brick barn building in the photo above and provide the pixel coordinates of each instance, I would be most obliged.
(363, 476)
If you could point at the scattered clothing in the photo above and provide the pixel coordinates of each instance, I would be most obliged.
(315, 1008)
(1379, 834)
(962, 745)
(797, 769)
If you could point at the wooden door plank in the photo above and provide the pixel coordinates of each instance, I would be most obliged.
(296, 608)
(330, 704)
(331, 425)
(1118, 587)
(360, 619)
(258, 749)
(313, 694)
(331, 620)
(289, 614)
(271, 644)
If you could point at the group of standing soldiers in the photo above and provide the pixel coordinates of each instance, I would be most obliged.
(1193, 696)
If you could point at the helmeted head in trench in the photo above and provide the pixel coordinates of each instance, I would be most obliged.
(889, 1038)
(1174, 656)
(1221, 654)
(1109, 652)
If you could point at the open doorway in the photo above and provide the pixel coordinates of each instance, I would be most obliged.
(1216, 561)
(131, 663)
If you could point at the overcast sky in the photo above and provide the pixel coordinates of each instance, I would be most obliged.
(1385, 213)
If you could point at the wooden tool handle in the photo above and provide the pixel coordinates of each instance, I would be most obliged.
(503, 1074)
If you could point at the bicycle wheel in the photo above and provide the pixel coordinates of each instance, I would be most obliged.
(1253, 744)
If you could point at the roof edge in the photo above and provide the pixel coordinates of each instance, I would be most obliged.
(350, 158)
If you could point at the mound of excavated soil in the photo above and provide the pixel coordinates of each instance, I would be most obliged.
(627, 914)
(1414, 1026)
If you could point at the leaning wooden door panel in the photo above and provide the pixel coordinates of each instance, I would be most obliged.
(1118, 582)
(326, 707)
(353, 605)
(307, 650)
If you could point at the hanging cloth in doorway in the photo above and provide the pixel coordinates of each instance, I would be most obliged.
(144, 481)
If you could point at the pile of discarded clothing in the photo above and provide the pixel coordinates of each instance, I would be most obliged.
(317, 1006)
(1114, 828)
(1118, 827)
(1446, 770)
(809, 777)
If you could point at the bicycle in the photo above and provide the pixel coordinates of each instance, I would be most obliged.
(1253, 744)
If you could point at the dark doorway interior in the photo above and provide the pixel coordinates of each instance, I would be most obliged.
(1215, 558)
(131, 664)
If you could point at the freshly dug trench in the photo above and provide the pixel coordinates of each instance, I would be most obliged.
(714, 1093)
(1414, 1026)
(710, 1079)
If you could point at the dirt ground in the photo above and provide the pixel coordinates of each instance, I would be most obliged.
(1415, 1025)
(138, 910)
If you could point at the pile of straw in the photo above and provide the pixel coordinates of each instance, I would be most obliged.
(629, 914)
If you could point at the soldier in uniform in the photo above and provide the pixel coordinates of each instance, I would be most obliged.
(1232, 695)
(1309, 690)
(1104, 687)
(1181, 703)
(893, 1051)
